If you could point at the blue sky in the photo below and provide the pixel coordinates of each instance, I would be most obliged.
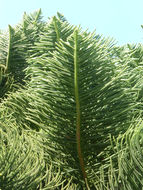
(120, 19)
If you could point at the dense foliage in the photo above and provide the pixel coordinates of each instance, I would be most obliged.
(70, 109)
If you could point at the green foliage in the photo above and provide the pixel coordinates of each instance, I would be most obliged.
(72, 116)
(20, 161)
(14, 46)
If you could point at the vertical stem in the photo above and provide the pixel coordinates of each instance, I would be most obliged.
(8, 53)
(78, 121)
(56, 29)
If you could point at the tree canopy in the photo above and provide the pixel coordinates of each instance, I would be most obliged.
(71, 108)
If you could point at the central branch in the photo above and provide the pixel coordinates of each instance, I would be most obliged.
(78, 113)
